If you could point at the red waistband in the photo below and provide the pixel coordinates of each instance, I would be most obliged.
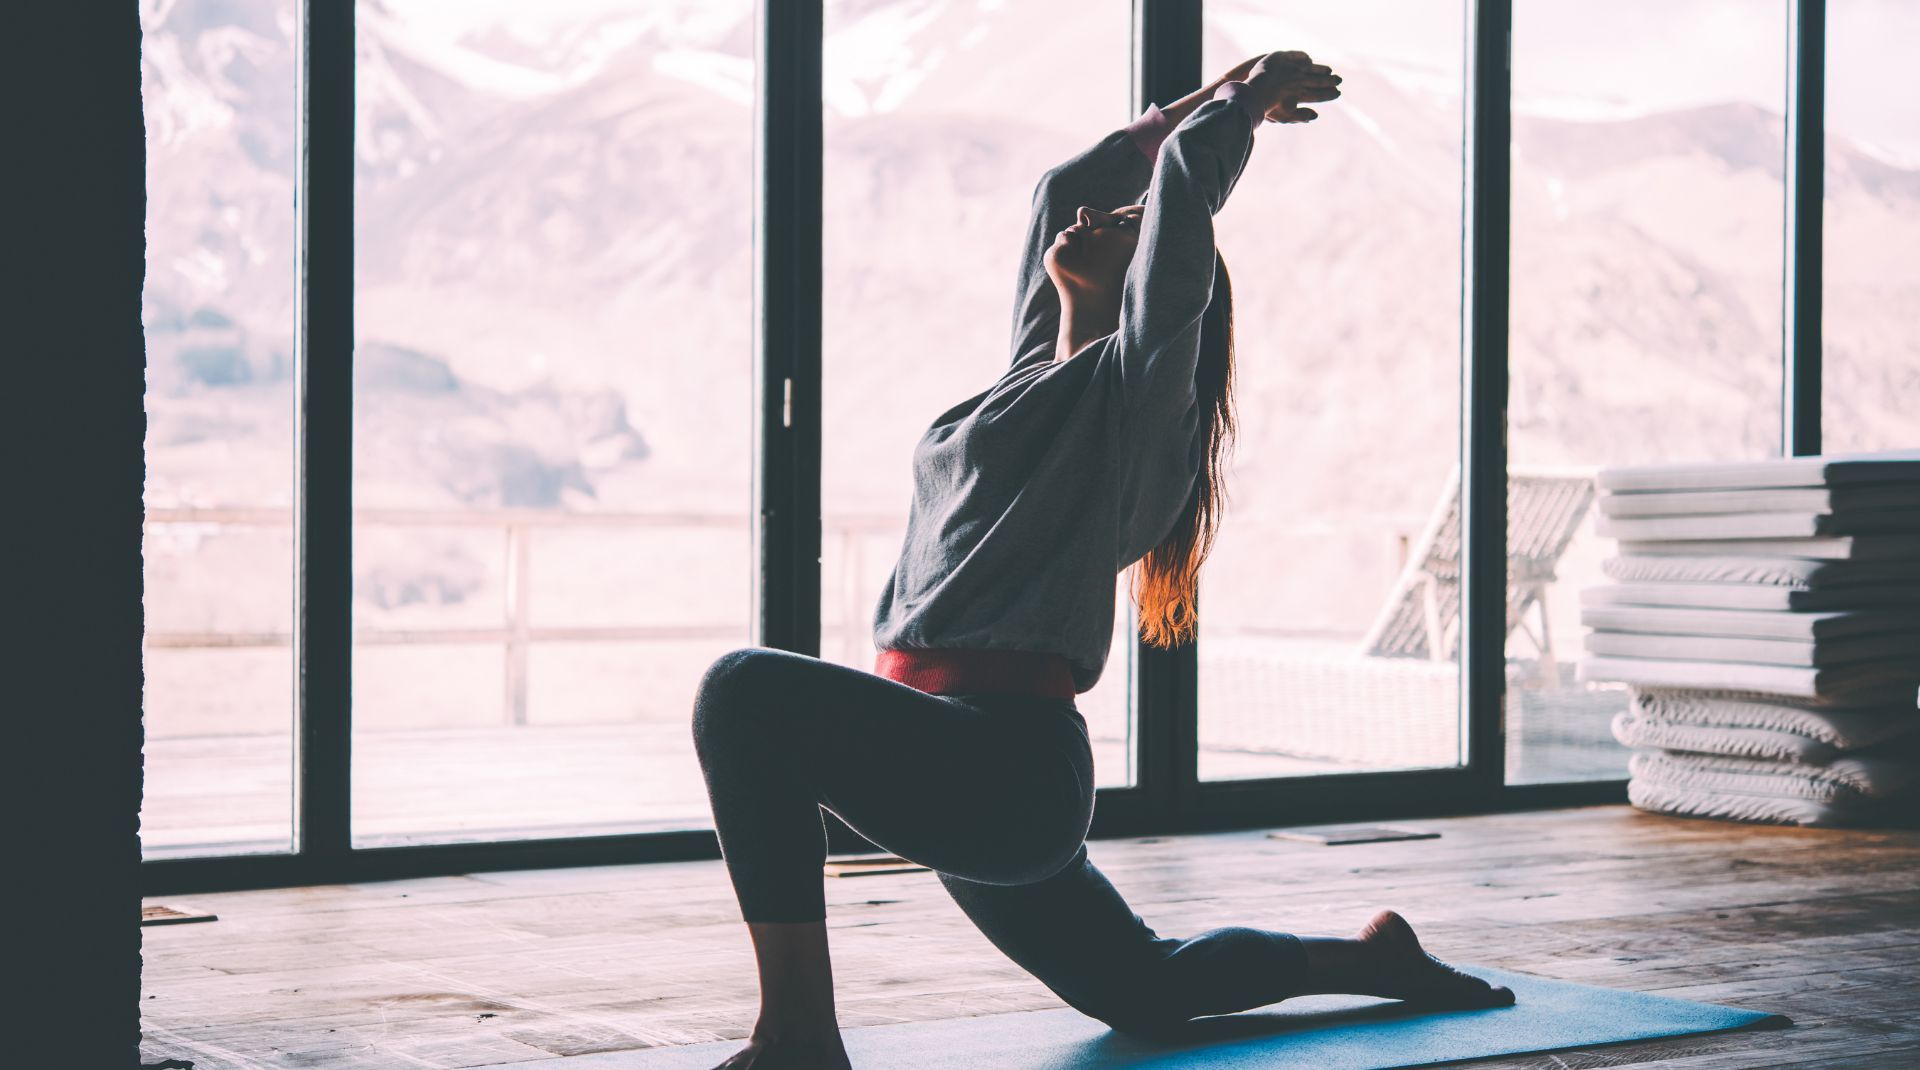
(953, 671)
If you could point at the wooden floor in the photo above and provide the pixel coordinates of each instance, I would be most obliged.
(1821, 925)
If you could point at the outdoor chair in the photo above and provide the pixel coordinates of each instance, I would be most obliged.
(1421, 618)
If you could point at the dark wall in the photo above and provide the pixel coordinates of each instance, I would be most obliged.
(72, 371)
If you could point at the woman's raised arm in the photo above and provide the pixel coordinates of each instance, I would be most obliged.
(1170, 280)
(1112, 173)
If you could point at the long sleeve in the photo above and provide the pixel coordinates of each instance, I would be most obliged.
(1031, 497)
(1170, 281)
(1114, 172)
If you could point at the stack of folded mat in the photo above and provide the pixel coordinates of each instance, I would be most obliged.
(1765, 616)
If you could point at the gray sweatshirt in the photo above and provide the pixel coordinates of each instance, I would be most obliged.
(1031, 496)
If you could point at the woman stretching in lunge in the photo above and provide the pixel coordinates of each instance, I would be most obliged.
(1100, 446)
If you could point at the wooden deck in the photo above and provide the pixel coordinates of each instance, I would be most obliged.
(1821, 925)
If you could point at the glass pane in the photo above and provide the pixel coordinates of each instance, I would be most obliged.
(218, 89)
(934, 139)
(1647, 213)
(1318, 653)
(553, 448)
(1871, 387)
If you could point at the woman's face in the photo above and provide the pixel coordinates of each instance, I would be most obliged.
(1091, 256)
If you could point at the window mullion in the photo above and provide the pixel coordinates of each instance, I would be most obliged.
(786, 325)
(323, 415)
(1484, 330)
(1166, 47)
(1801, 352)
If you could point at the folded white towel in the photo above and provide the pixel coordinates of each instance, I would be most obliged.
(1840, 729)
(1663, 798)
(1749, 623)
(1765, 744)
(1893, 647)
(1845, 499)
(1771, 598)
(1759, 525)
(1865, 684)
(1825, 547)
(1800, 573)
(1868, 775)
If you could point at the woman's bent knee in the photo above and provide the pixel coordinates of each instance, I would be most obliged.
(734, 686)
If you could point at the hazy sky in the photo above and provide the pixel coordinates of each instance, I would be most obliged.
(1707, 50)
(1624, 57)
(1572, 57)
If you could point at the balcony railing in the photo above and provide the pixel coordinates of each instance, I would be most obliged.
(517, 632)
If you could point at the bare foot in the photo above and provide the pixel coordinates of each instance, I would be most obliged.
(801, 1051)
(1403, 970)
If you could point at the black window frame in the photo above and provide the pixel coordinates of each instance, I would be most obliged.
(1168, 796)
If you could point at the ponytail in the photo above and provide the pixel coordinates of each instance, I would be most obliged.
(1166, 582)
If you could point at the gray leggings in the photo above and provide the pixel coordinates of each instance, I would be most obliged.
(994, 793)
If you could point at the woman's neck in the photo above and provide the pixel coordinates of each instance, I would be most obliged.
(1083, 319)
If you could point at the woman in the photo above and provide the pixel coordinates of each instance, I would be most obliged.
(964, 751)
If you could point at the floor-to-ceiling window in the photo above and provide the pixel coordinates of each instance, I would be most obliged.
(1647, 208)
(1329, 631)
(555, 491)
(218, 85)
(552, 433)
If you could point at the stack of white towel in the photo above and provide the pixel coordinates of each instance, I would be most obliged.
(1765, 616)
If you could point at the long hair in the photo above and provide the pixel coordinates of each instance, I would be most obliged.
(1166, 582)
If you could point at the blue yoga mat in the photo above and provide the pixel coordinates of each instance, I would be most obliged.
(1322, 1032)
